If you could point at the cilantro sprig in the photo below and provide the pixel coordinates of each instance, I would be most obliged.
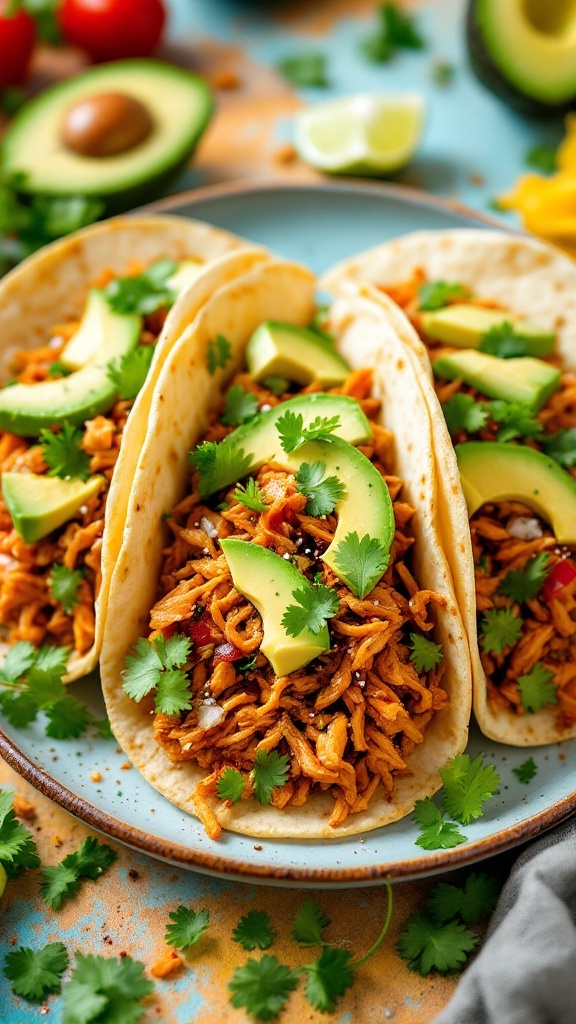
(315, 604)
(60, 881)
(515, 419)
(105, 989)
(323, 492)
(143, 293)
(394, 30)
(270, 770)
(17, 846)
(262, 987)
(218, 353)
(504, 341)
(434, 295)
(361, 562)
(425, 653)
(471, 902)
(436, 833)
(307, 70)
(157, 665)
(500, 629)
(187, 927)
(240, 406)
(128, 373)
(218, 464)
(293, 434)
(561, 446)
(467, 786)
(35, 974)
(461, 412)
(63, 454)
(526, 771)
(254, 931)
(252, 496)
(524, 584)
(230, 785)
(309, 923)
(63, 585)
(537, 689)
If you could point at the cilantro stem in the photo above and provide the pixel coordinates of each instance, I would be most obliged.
(374, 948)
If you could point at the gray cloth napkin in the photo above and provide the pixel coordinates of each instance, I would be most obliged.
(525, 972)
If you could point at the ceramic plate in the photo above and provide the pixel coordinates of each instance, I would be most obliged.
(318, 224)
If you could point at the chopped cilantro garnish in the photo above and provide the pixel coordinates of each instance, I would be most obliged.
(128, 373)
(429, 946)
(425, 653)
(323, 493)
(35, 974)
(305, 70)
(500, 628)
(57, 369)
(537, 689)
(230, 785)
(471, 902)
(254, 931)
(467, 785)
(436, 294)
(34, 683)
(503, 341)
(240, 406)
(262, 987)
(394, 30)
(251, 496)
(187, 927)
(105, 990)
(362, 562)
(246, 664)
(435, 832)
(309, 923)
(293, 433)
(542, 157)
(526, 771)
(218, 353)
(143, 293)
(63, 584)
(63, 454)
(315, 604)
(91, 860)
(524, 584)
(463, 413)
(515, 419)
(17, 847)
(218, 465)
(270, 770)
(157, 666)
(277, 385)
(562, 447)
(328, 977)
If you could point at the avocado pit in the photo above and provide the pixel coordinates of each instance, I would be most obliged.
(105, 125)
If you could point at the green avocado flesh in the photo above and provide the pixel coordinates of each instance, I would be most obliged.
(492, 472)
(268, 582)
(40, 504)
(179, 102)
(102, 336)
(3, 880)
(525, 380)
(525, 49)
(464, 325)
(260, 440)
(282, 350)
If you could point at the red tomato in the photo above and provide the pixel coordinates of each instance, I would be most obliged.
(227, 652)
(202, 630)
(113, 29)
(17, 42)
(562, 574)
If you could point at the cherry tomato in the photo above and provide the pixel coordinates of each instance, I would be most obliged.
(562, 574)
(227, 652)
(17, 42)
(113, 29)
(202, 631)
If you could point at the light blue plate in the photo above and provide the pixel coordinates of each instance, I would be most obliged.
(319, 225)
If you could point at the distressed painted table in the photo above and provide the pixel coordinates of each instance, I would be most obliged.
(473, 149)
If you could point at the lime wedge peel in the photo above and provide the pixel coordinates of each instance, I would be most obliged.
(369, 133)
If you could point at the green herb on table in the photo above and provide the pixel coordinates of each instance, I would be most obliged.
(35, 974)
(218, 353)
(128, 373)
(187, 927)
(309, 923)
(393, 31)
(425, 654)
(252, 496)
(270, 770)
(361, 562)
(261, 987)
(306, 70)
(17, 846)
(435, 832)
(537, 689)
(254, 931)
(526, 771)
(443, 72)
(63, 453)
(323, 493)
(524, 584)
(314, 606)
(105, 990)
(500, 628)
(63, 584)
(542, 157)
(328, 978)
(60, 882)
(157, 665)
(293, 433)
(434, 295)
(230, 785)
(461, 412)
(240, 406)
(143, 293)
(472, 902)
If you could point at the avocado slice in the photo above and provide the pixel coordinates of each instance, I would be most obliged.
(464, 325)
(259, 440)
(102, 336)
(269, 582)
(525, 380)
(493, 471)
(282, 350)
(180, 105)
(524, 51)
(39, 504)
(184, 276)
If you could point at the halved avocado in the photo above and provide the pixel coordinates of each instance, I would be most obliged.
(180, 105)
(524, 51)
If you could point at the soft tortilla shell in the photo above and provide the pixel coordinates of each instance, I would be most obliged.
(50, 288)
(364, 338)
(530, 279)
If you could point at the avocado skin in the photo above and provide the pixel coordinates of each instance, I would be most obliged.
(489, 74)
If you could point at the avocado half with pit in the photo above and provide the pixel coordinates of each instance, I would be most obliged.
(120, 132)
(524, 51)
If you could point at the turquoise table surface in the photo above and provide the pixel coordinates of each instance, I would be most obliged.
(473, 149)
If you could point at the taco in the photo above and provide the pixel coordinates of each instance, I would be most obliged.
(284, 655)
(86, 325)
(496, 315)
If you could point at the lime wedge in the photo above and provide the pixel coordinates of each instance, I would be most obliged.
(3, 880)
(365, 134)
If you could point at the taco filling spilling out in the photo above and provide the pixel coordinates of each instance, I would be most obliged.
(292, 648)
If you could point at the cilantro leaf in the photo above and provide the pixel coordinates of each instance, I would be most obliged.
(128, 372)
(503, 340)
(60, 881)
(516, 420)
(562, 446)
(277, 385)
(105, 990)
(35, 974)
(246, 664)
(50, 658)
(19, 659)
(436, 834)
(218, 353)
(472, 902)
(537, 688)
(309, 923)
(172, 693)
(254, 931)
(240, 406)
(394, 30)
(252, 496)
(328, 977)
(17, 847)
(437, 294)
(542, 157)
(187, 927)
(157, 666)
(323, 493)
(293, 433)
(425, 654)
(467, 786)
(230, 785)
(524, 584)
(45, 687)
(67, 718)
(270, 770)
(57, 369)
(500, 628)
(361, 562)
(305, 70)
(262, 987)
(19, 708)
(63, 584)
(463, 413)
(143, 293)
(175, 651)
(526, 771)
(315, 604)
(62, 452)
(429, 946)
(219, 464)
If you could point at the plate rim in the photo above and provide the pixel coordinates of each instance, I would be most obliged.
(225, 866)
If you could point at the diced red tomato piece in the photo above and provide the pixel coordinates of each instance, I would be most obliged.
(227, 652)
(560, 577)
(202, 631)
